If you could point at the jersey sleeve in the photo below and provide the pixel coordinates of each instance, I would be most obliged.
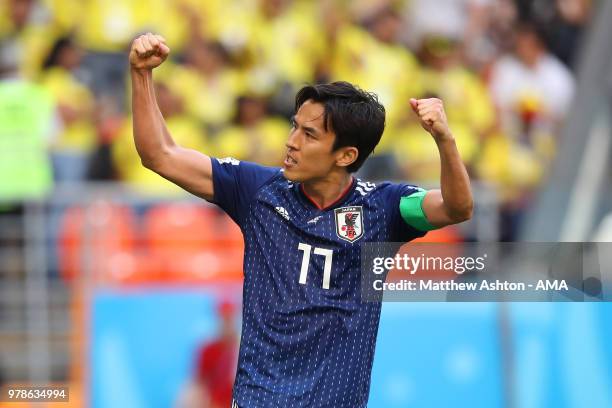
(408, 219)
(236, 183)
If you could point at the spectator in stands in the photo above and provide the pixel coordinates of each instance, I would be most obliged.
(283, 44)
(497, 36)
(464, 19)
(105, 29)
(75, 106)
(185, 129)
(255, 135)
(285, 40)
(26, 129)
(561, 22)
(470, 108)
(374, 59)
(207, 82)
(216, 362)
(531, 88)
(229, 49)
(25, 33)
(218, 359)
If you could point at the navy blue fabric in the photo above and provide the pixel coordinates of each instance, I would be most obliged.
(303, 345)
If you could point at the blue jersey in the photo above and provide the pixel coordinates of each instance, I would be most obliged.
(307, 338)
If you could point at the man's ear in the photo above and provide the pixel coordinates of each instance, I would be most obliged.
(345, 156)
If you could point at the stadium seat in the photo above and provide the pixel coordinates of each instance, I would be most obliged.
(447, 234)
(193, 243)
(92, 238)
(173, 229)
(230, 234)
(233, 248)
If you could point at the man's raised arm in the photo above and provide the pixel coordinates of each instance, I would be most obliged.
(158, 152)
(453, 203)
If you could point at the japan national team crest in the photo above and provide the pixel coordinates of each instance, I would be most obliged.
(349, 223)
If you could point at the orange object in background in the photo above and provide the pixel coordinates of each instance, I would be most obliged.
(231, 248)
(193, 243)
(172, 229)
(448, 234)
(177, 243)
(95, 239)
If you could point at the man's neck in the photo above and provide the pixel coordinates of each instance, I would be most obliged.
(327, 191)
(534, 60)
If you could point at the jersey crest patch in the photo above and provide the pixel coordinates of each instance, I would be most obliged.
(349, 223)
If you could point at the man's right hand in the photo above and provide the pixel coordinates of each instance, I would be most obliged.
(148, 51)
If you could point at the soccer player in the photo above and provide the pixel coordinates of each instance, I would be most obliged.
(307, 337)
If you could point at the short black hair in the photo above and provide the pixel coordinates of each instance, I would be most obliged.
(530, 26)
(60, 45)
(354, 115)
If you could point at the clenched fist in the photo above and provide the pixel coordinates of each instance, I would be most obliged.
(432, 116)
(148, 52)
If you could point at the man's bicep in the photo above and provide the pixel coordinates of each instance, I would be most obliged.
(188, 169)
(434, 209)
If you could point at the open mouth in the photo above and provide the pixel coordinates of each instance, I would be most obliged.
(290, 161)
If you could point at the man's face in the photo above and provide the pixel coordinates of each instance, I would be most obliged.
(528, 48)
(309, 147)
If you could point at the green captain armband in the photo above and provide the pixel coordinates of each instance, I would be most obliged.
(411, 209)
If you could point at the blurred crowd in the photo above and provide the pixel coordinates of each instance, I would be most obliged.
(504, 69)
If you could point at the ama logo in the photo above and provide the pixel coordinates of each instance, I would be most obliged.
(349, 223)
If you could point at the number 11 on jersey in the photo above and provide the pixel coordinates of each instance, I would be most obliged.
(327, 253)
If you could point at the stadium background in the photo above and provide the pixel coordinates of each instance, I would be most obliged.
(111, 279)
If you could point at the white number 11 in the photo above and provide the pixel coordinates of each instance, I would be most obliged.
(327, 253)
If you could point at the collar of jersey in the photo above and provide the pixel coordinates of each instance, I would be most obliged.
(338, 201)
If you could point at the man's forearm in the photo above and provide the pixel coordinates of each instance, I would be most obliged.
(151, 137)
(454, 181)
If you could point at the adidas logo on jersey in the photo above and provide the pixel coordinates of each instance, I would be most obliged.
(282, 212)
(230, 160)
(315, 219)
(364, 188)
